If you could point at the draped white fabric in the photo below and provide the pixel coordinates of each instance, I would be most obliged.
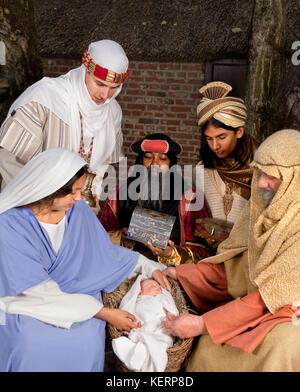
(67, 96)
(40, 177)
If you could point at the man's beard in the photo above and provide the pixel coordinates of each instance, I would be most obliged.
(267, 194)
(152, 189)
(156, 189)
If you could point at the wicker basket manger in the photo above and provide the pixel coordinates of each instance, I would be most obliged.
(181, 347)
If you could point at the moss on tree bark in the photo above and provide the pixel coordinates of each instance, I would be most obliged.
(266, 49)
(23, 64)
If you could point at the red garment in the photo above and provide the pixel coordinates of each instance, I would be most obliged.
(240, 322)
(109, 216)
(205, 284)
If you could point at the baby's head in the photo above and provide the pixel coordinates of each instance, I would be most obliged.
(150, 287)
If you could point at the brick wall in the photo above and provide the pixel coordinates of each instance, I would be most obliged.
(158, 97)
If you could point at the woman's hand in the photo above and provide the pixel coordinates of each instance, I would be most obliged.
(184, 326)
(170, 271)
(121, 319)
(161, 279)
(161, 252)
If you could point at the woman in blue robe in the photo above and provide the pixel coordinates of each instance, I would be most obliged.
(55, 259)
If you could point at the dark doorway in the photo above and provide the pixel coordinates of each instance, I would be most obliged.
(231, 71)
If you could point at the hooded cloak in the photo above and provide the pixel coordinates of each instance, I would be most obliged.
(262, 251)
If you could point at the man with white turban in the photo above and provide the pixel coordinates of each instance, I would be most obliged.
(77, 111)
(248, 294)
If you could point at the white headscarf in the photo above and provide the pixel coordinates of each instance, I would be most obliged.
(40, 177)
(66, 95)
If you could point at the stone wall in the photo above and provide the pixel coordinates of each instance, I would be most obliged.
(158, 97)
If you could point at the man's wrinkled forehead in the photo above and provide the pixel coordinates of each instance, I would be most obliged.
(267, 175)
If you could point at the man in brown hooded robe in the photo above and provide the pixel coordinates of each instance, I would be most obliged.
(248, 294)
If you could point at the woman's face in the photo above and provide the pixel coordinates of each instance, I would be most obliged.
(156, 159)
(222, 141)
(66, 202)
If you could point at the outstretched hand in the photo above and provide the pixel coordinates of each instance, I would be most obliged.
(161, 279)
(184, 325)
(161, 252)
(171, 272)
(121, 319)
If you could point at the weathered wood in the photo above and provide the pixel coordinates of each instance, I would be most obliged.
(266, 49)
(22, 61)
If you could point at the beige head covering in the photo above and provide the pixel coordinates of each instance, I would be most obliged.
(230, 111)
(274, 245)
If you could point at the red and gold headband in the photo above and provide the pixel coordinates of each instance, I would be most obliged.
(157, 142)
(103, 73)
(161, 146)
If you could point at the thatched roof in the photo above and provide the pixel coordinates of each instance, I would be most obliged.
(152, 30)
(149, 30)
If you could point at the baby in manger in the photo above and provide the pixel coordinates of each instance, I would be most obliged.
(145, 348)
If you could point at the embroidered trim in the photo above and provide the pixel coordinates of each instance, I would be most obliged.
(85, 155)
(103, 73)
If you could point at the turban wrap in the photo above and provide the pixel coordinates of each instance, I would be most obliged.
(230, 111)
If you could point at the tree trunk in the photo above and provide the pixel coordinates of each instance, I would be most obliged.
(266, 48)
(21, 65)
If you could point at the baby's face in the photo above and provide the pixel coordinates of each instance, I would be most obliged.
(150, 287)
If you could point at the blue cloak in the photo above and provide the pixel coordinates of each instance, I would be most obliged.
(87, 263)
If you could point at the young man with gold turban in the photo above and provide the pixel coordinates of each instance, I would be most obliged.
(248, 295)
(226, 151)
(77, 111)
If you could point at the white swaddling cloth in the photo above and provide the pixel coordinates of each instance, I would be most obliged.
(145, 348)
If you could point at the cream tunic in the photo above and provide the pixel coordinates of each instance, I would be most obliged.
(214, 189)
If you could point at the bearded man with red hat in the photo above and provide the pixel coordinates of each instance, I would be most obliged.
(159, 187)
(77, 111)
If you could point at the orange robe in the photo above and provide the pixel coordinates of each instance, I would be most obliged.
(239, 322)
